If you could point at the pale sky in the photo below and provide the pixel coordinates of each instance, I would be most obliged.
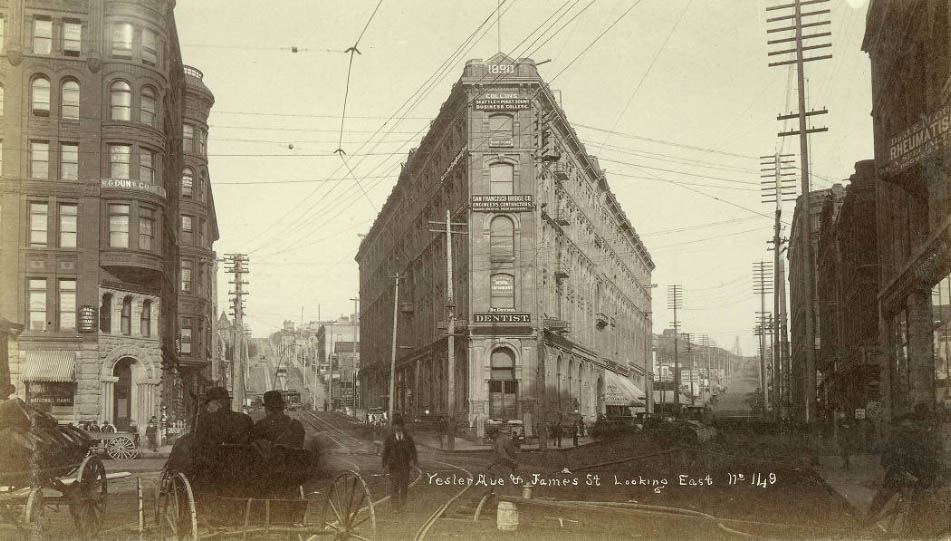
(685, 85)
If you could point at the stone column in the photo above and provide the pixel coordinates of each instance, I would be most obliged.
(107, 398)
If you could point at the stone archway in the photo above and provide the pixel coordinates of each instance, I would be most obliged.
(129, 378)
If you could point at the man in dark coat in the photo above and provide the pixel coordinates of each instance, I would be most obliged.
(399, 455)
(216, 426)
(277, 427)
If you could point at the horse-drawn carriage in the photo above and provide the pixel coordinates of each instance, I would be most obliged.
(47, 465)
(259, 490)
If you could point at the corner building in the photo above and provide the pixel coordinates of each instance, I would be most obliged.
(95, 105)
(551, 282)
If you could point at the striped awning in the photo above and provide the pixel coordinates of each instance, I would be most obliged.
(52, 366)
(621, 391)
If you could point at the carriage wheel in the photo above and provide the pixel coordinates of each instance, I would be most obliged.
(348, 511)
(121, 448)
(176, 508)
(33, 515)
(87, 494)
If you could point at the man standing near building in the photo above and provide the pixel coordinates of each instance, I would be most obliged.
(399, 455)
(277, 427)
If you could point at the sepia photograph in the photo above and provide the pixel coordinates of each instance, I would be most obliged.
(475, 269)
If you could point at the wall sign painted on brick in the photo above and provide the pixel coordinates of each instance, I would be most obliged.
(916, 143)
(502, 203)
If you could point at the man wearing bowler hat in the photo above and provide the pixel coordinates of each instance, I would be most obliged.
(219, 424)
(277, 427)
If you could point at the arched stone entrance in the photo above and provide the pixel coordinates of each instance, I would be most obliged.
(128, 388)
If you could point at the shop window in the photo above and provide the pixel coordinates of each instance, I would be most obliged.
(42, 35)
(40, 96)
(120, 101)
(502, 291)
(502, 239)
(67, 225)
(38, 224)
(37, 299)
(501, 179)
(69, 102)
(145, 319)
(126, 323)
(503, 387)
(67, 305)
(119, 226)
(105, 313)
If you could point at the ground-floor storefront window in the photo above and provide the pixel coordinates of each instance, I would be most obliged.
(503, 387)
(941, 335)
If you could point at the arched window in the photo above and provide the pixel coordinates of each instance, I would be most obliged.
(69, 102)
(105, 314)
(501, 179)
(188, 178)
(40, 96)
(503, 387)
(120, 100)
(502, 239)
(126, 324)
(502, 291)
(145, 320)
(147, 106)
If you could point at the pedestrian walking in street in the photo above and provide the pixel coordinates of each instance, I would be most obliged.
(151, 434)
(845, 441)
(556, 433)
(574, 434)
(505, 456)
(581, 427)
(399, 455)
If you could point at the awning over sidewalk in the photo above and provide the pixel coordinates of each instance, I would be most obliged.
(621, 391)
(50, 366)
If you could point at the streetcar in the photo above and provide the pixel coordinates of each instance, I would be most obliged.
(291, 400)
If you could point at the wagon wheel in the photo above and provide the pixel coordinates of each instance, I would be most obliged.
(33, 515)
(348, 511)
(87, 495)
(121, 448)
(176, 508)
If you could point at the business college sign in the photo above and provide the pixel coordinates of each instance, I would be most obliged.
(502, 203)
(916, 143)
(501, 101)
(502, 317)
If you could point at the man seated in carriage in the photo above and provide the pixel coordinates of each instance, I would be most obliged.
(277, 427)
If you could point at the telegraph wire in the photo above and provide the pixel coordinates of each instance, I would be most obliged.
(571, 20)
(596, 39)
(352, 50)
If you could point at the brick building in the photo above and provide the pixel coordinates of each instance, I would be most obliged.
(551, 281)
(804, 380)
(95, 101)
(909, 45)
(848, 311)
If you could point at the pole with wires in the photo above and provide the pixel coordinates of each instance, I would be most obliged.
(675, 300)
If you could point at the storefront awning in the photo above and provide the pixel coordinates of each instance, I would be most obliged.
(621, 391)
(52, 366)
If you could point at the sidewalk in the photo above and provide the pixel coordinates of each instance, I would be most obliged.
(858, 484)
(431, 440)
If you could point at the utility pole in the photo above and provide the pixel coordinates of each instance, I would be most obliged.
(356, 353)
(450, 330)
(763, 284)
(780, 188)
(236, 264)
(809, 281)
(675, 300)
(396, 312)
(690, 361)
(705, 344)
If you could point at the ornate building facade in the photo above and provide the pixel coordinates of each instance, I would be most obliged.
(94, 199)
(550, 280)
